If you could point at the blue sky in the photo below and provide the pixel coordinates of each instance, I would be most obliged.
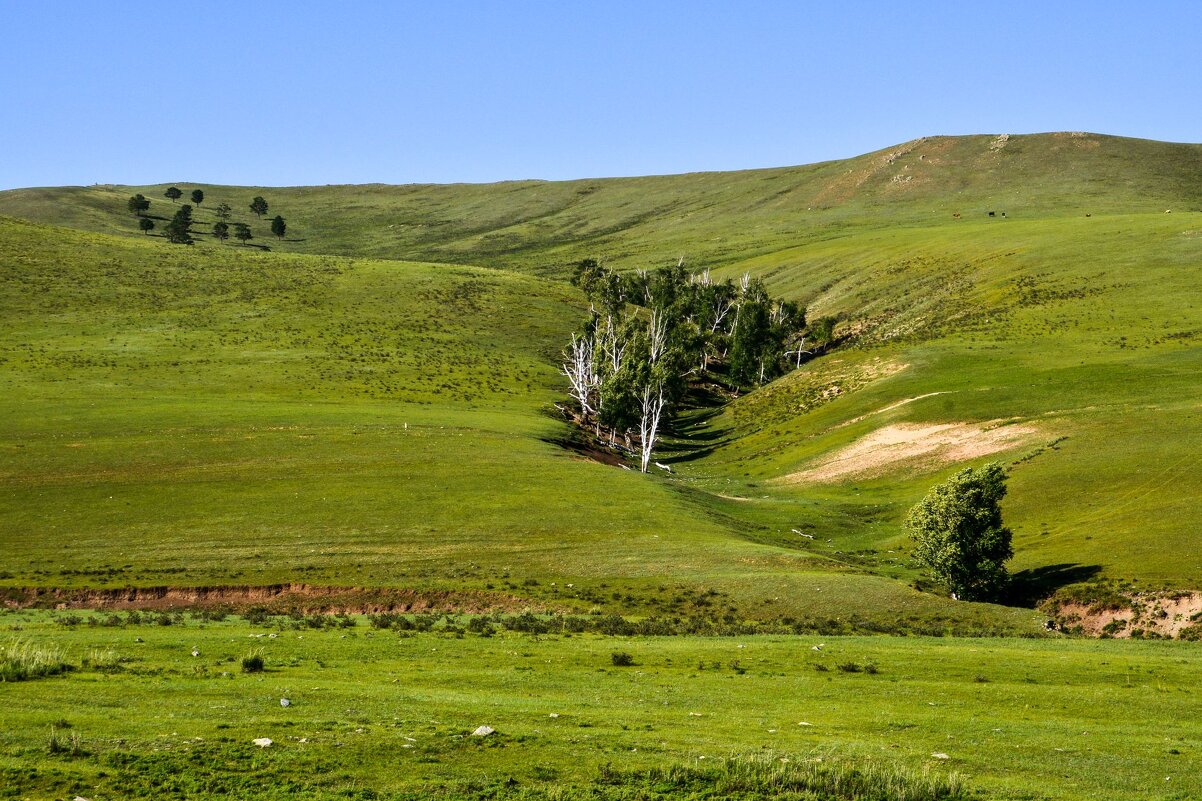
(355, 92)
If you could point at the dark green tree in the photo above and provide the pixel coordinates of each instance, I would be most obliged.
(138, 204)
(198, 196)
(279, 227)
(146, 224)
(222, 212)
(221, 230)
(258, 206)
(242, 233)
(179, 229)
(174, 194)
(959, 534)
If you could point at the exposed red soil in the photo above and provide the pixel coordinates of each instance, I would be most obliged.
(1150, 614)
(274, 597)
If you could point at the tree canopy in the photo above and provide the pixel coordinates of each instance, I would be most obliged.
(174, 194)
(959, 533)
(258, 206)
(650, 334)
(221, 230)
(138, 204)
(279, 227)
(198, 196)
(242, 233)
(179, 229)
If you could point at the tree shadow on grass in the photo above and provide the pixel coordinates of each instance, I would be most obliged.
(1029, 587)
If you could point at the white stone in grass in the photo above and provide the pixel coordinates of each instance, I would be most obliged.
(483, 731)
(285, 702)
(803, 723)
(939, 755)
(262, 742)
(553, 715)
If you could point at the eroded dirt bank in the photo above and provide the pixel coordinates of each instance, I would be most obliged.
(1175, 615)
(274, 597)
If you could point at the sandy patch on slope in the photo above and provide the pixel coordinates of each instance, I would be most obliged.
(1164, 614)
(913, 445)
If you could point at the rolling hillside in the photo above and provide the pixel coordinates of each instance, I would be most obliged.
(711, 218)
(325, 413)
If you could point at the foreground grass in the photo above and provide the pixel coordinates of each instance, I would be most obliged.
(377, 714)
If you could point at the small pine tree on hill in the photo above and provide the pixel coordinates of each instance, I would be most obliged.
(221, 231)
(146, 224)
(258, 206)
(242, 233)
(198, 196)
(138, 204)
(179, 229)
(279, 227)
(222, 211)
(174, 194)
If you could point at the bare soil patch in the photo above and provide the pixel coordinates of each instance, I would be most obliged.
(915, 446)
(1148, 615)
(275, 598)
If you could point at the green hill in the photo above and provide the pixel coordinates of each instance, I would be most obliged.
(711, 218)
(325, 413)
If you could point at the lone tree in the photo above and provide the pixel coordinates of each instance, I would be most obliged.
(242, 233)
(258, 206)
(198, 196)
(138, 204)
(222, 212)
(279, 227)
(146, 224)
(221, 230)
(174, 194)
(959, 533)
(178, 230)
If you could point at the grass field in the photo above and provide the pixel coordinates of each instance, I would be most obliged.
(374, 712)
(368, 407)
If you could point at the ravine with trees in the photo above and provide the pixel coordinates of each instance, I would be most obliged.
(652, 337)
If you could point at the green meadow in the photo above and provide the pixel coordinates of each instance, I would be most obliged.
(370, 406)
(377, 714)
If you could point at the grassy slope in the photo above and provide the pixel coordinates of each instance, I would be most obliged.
(1086, 329)
(1021, 719)
(1082, 327)
(712, 218)
(212, 416)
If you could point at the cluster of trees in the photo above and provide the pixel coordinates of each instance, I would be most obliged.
(179, 229)
(652, 334)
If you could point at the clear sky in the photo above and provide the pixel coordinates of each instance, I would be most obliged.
(397, 92)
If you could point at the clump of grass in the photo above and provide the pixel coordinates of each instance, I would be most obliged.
(772, 776)
(71, 744)
(252, 663)
(621, 659)
(850, 667)
(103, 660)
(21, 660)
